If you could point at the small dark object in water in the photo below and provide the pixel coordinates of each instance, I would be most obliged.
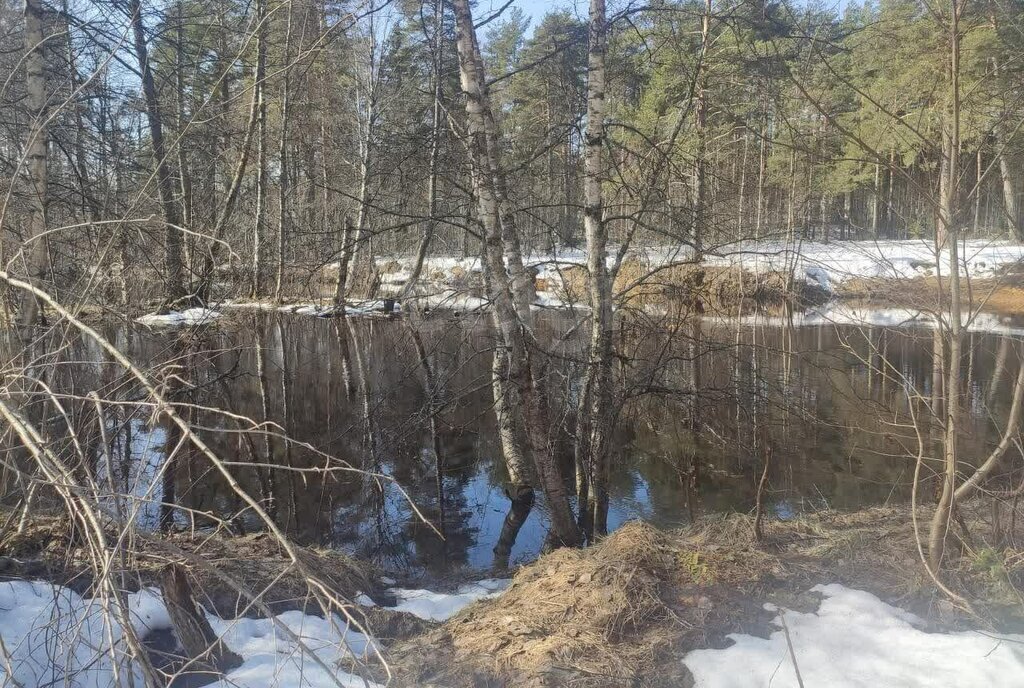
(389, 305)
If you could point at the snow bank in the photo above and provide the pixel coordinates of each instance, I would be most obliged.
(826, 265)
(317, 309)
(189, 316)
(53, 636)
(829, 265)
(835, 314)
(855, 640)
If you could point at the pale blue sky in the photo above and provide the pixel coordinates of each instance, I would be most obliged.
(535, 8)
(538, 8)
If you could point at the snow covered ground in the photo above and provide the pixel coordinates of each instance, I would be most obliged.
(831, 264)
(825, 264)
(855, 640)
(51, 636)
(455, 282)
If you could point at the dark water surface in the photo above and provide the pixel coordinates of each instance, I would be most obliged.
(410, 399)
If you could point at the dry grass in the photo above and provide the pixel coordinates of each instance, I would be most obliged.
(47, 548)
(624, 612)
(1003, 294)
(700, 287)
(574, 617)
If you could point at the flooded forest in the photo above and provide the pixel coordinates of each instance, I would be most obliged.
(479, 343)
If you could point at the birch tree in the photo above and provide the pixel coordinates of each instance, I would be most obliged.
(598, 426)
(518, 392)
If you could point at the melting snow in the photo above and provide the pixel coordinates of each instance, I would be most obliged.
(189, 316)
(846, 314)
(855, 640)
(52, 636)
(434, 606)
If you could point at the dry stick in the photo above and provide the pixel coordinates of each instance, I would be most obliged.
(8, 667)
(995, 458)
(759, 508)
(789, 644)
(957, 599)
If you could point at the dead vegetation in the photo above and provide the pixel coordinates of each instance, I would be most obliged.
(225, 570)
(1003, 294)
(626, 611)
(701, 287)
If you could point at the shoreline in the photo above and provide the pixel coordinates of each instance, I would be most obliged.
(639, 599)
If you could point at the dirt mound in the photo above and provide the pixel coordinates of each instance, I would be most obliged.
(586, 617)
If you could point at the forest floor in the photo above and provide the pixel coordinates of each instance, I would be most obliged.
(624, 612)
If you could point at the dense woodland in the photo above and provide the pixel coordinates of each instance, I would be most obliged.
(271, 139)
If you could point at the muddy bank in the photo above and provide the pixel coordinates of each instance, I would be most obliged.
(704, 288)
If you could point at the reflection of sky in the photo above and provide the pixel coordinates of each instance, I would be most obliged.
(143, 483)
(485, 508)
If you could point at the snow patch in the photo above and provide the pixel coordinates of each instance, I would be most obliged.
(855, 640)
(189, 316)
(434, 606)
(53, 636)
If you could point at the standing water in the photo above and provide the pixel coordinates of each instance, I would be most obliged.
(376, 436)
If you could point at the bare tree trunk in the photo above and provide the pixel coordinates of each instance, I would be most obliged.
(190, 625)
(889, 213)
(740, 218)
(1006, 174)
(174, 287)
(284, 190)
(35, 243)
(701, 116)
(874, 200)
(435, 144)
(261, 146)
(85, 178)
(599, 385)
(228, 207)
(761, 169)
(514, 345)
(978, 175)
(1010, 208)
(948, 223)
(356, 259)
(185, 180)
